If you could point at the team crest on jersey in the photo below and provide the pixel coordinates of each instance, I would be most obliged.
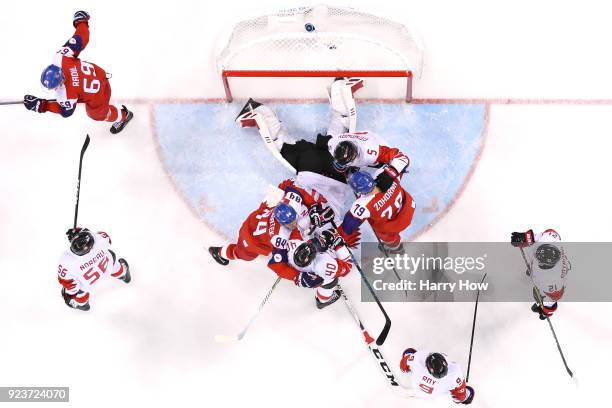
(223, 171)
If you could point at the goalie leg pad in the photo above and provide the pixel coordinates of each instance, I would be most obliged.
(344, 113)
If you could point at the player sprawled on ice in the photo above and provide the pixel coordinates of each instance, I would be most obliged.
(549, 265)
(76, 81)
(88, 260)
(317, 167)
(432, 375)
(350, 148)
(297, 214)
(316, 263)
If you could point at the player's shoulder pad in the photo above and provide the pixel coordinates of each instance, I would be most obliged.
(279, 256)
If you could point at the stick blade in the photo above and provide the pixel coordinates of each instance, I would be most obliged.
(85, 144)
(385, 331)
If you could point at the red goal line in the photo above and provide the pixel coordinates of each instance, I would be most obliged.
(226, 74)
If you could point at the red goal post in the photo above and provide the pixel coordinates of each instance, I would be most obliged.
(318, 42)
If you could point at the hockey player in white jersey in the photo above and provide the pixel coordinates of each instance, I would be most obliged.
(350, 148)
(549, 265)
(88, 260)
(313, 164)
(316, 263)
(432, 375)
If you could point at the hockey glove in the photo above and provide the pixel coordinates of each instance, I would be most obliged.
(35, 104)
(80, 17)
(544, 312)
(308, 280)
(72, 232)
(522, 239)
(319, 215)
(407, 356)
(344, 267)
(386, 178)
(331, 238)
(470, 397)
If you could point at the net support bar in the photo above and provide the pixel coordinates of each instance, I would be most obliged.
(226, 74)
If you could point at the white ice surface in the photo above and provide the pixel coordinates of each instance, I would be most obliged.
(151, 344)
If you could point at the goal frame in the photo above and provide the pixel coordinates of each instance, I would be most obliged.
(226, 74)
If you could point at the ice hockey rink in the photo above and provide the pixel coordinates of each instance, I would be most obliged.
(540, 72)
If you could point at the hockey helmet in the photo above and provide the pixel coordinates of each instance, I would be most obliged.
(436, 365)
(285, 214)
(82, 243)
(52, 77)
(344, 153)
(361, 182)
(304, 254)
(547, 255)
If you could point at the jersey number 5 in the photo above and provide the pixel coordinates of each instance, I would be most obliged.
(92, 86)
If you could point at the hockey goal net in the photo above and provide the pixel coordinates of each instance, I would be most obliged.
(318, 42)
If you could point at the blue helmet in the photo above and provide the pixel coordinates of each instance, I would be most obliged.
(361, 182)
(284, 213)
(52, 77)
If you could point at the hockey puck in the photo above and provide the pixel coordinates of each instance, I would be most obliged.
(309, 27)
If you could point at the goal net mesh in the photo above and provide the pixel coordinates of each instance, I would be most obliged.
(340, 39)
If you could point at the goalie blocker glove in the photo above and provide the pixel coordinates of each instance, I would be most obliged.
(522, 239)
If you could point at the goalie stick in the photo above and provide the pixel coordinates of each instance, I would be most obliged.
(375, 351)
(222, 338)
(540, 302)
(78, 191)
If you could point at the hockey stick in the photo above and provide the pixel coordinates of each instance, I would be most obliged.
(467, 377)
(381, 245)
(541, 304)
(78, 191)
(376, 353)
(21, 102)
(221, 338)
(385, 331)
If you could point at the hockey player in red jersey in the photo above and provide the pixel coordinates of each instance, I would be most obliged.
(76, 81)
(316, 263)
(432, 375)
(263, 230)
(548, 265)
(87, 261)
(298, 212)
(388, 212)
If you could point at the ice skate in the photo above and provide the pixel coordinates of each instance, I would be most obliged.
(215, 252)
(119, 125)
